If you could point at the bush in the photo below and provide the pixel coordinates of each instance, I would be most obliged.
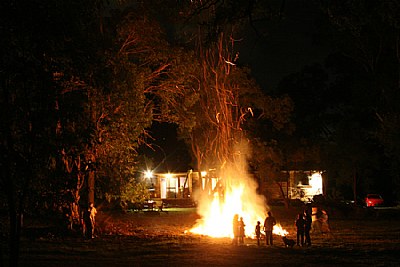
(133, 192)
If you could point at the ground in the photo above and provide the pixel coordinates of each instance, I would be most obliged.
(159, 239)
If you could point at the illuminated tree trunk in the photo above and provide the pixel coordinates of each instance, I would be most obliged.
(220, 114)
(91, 186)
(69, 164)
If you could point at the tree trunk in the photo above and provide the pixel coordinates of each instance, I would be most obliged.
(285, 199)
(91, 186)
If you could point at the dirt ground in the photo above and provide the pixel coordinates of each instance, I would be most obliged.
(159, 239)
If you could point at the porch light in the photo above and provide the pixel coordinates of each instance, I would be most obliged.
(148, 174)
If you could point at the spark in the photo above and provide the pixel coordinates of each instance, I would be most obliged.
(251, 111)
(230, 63)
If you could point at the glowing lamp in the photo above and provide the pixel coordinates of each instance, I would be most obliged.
(148, 174)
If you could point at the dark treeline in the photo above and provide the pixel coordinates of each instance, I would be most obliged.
(345, 109)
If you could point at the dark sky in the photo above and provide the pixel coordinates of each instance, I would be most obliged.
(169, 154)
(287, 44)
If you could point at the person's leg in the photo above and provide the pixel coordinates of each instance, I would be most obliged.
(308, 238)
(93, 224)
(271, 242)
(89, 230)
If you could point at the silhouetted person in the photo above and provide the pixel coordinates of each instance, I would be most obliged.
(86, 223)
(307, 227)
(258, 232)
(235, 229)
(300, 227)
(268, 227)
(241, 230)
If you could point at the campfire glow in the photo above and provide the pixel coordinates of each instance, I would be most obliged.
(240, 198)
(278, 230)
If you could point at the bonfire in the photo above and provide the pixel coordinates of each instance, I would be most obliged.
(239, 197)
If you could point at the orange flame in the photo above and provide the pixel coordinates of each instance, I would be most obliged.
(217, 212)
(278, 230)
(236, 194)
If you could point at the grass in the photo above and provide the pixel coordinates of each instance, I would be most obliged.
(158, 239)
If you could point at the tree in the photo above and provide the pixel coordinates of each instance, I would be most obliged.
(38, 39)
(26, 98)
(367, 43)
(219, 96)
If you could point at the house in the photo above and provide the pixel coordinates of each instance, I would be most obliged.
(172, 188)
(296, 184)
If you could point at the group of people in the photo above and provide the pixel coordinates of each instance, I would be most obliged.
(268, 227)
(303, 224)
(238, 230)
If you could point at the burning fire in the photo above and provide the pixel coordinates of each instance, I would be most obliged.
(217, 211)
(278, 230)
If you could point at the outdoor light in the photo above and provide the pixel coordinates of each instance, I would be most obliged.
(168, 175)
(203, 173)
(315, 182)
(148, 174)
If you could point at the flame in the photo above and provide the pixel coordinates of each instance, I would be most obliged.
(278, 230)
(217, 211)
(217, 215)
(232, 192)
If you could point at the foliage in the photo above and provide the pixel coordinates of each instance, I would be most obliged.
(133, 192)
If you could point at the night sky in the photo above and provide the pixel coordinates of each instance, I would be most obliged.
(168, 153)
(284, 46)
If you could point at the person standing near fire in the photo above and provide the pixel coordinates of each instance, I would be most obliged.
(258, 232)
(92, 210)
(300, 225)
(241, 230)
(86, 223)
(268, 227)
(235, 229)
